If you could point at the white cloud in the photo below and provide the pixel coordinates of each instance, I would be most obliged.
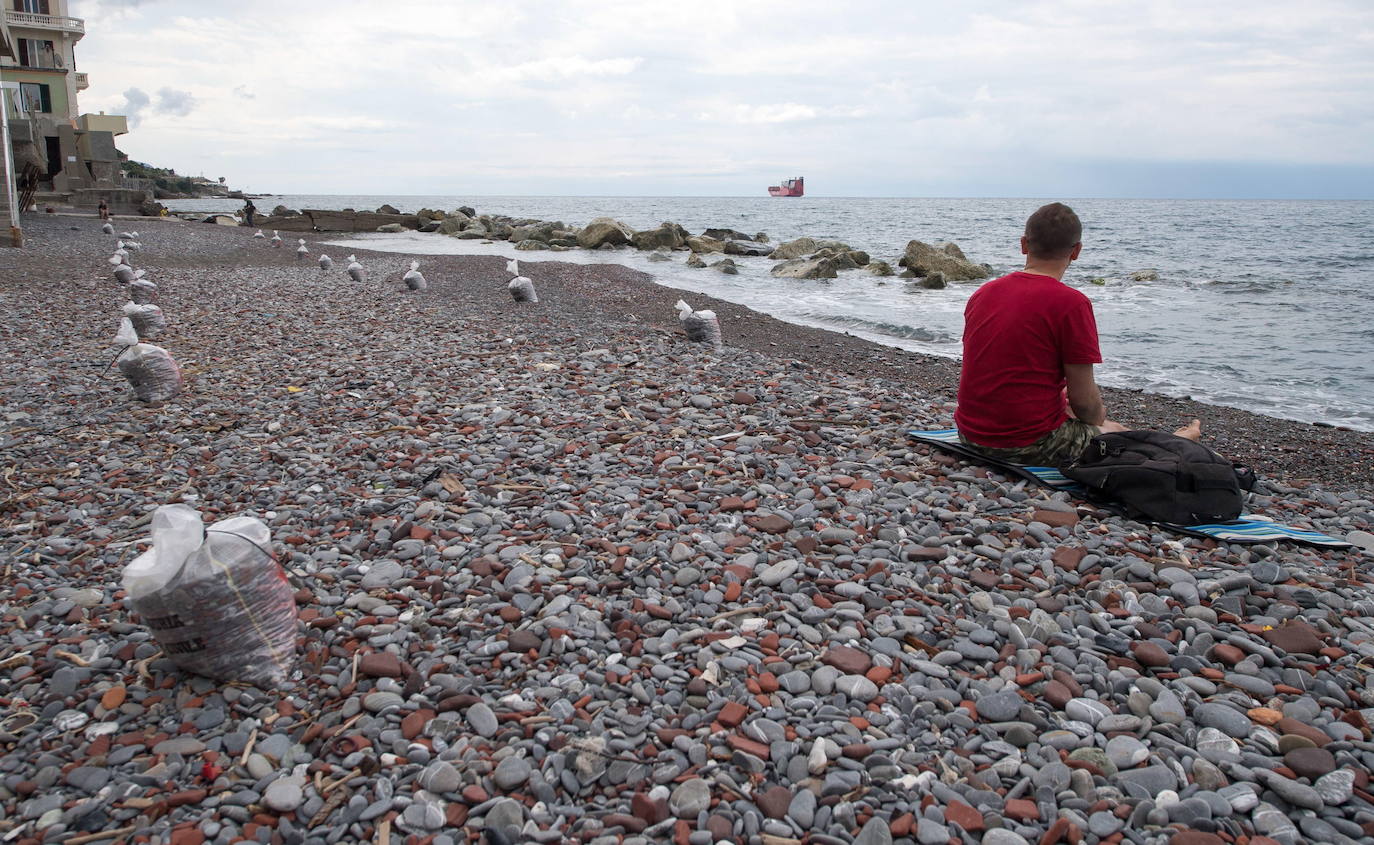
(174, 102)
(768, 113)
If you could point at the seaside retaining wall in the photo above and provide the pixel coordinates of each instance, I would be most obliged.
(317, 220)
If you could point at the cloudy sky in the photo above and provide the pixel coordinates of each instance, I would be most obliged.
(1231, 98)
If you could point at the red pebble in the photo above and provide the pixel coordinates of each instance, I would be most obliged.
(732, 714)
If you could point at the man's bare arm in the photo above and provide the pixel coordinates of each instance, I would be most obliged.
(1084, 398)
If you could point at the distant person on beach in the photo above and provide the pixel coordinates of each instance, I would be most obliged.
(1026, 391)
(248, 211)
(104, 210)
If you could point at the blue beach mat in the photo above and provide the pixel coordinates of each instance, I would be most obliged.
(1249, 528)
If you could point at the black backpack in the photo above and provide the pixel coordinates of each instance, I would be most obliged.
(1163, 477)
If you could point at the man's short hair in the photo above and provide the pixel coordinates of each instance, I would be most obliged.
(1053, 231)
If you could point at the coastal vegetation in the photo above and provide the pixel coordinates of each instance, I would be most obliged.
(168, 184)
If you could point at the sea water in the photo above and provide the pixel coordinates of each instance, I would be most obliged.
(1261, 305)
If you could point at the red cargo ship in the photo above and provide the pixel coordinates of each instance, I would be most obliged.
(788, 188)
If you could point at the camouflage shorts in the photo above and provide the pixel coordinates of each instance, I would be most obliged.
(1058, 447)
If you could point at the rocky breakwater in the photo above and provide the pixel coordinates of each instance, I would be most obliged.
(577, 580)
(801, 258)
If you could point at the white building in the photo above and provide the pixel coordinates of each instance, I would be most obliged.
(63, 155)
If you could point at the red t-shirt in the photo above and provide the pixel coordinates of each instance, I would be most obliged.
(1019, 332)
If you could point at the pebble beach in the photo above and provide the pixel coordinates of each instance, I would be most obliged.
(563, 576)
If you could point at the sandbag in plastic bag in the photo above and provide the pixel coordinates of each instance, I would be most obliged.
(147, 319)
(142, 291)
(215, 598)
(414, 279)
(355, 270)
(521, 288)
(151, 372)
(700, 326)
(124, 274)
(127, 334)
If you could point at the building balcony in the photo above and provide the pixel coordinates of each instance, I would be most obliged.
(30, 20)
(21, 130)
(82, 82)
(115, 124)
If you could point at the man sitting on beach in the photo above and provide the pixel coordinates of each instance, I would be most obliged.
(1026, 392)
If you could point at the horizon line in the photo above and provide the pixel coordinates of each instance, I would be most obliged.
(818, 196)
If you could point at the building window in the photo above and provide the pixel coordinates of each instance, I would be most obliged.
(33, 7)
(35, 97)
(35, 53)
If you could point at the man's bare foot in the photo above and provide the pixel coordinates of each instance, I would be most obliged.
(1192, 431)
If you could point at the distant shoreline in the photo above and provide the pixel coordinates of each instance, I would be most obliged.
(478, 197)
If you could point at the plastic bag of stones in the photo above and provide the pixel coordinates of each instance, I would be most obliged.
(142, 291)
(700, 326)
(521, 288)
(151, 371)
(127, 335)
(414, 279)
(147, 318)
(124, 274)
(215, 597)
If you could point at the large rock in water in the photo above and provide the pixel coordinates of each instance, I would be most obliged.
(669, 235)
(934, 280)
(794, 249)
(604, 230)
(453, 225)
(529, 233)
(701, 243)
(845, 259)
(726, 235)
(922, 259)
(746, 248)
(807, 268)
